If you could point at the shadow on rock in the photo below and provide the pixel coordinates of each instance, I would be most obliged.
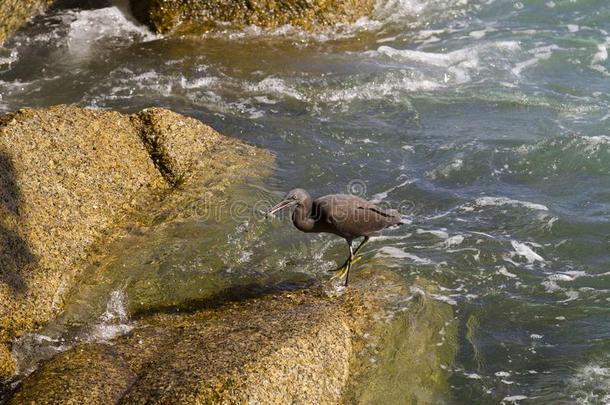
(231, 294)
(15, 254)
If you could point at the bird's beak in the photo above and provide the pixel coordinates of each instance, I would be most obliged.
(282, 204)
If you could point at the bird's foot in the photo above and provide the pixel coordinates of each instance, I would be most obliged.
(341, 272)
(344, 266)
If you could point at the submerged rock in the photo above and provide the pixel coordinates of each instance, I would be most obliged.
(296, 347)
(14, 13)
(283, 348)
(69, 177)
(196, 16)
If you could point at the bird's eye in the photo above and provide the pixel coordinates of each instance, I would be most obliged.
(294, 197)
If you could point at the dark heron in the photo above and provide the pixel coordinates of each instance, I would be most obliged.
(345, 215)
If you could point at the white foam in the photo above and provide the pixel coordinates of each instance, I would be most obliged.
(595, 142)
(523, 250)
(444, 298)
(392, 85)
(478, 34)
(454, 241)
(388, 9)
(377, 198)
(502, 270)
(514, 398)
(551, 286)
(499, 201)
(539, 54)
(394, 252)
(200, 83)
(592, 384)
(275, 86)
(11, 58)
(571, 296)
(91, 27)
(455, 166)
(438, 233)
(114, 321)
(602, 53)
(397, 10)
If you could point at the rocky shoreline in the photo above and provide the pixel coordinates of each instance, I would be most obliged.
(192, 17)
(101, 171)
(276, 347)
(197, 16)
(74, 181)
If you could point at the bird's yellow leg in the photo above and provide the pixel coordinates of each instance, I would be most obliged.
(342, 271)
(364, 242)
(342, 268)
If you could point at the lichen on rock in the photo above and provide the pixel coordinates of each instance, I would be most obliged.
(196, 16)
(70, 177)
(14, 13)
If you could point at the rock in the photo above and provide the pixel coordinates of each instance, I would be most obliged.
(175, 143)
(297, 347)
(414, 349)
(285, 348)
(14, 13)
(7, 364)
(196, 16)
(69, 177)
(90, 361)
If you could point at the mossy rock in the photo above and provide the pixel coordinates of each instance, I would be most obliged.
(196, 16)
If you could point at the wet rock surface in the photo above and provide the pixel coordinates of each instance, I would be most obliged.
(300, 346)
(14, 13)
(70, 177)
(196, 16)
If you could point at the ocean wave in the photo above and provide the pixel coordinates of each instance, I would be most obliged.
(537, 55)
(445, 69)
(414, 10)
(573, 154)
(397, 253)
(500, 201)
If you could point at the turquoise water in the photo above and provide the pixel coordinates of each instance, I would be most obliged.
(487, 122)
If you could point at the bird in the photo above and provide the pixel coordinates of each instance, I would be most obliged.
(345, 215)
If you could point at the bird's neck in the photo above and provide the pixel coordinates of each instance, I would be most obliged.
(301, 217)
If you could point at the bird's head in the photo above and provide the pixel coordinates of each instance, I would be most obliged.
(294, 197)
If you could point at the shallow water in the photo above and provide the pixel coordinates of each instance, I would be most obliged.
(486, 121)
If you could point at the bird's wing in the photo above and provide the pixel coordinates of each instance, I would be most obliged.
(352, 215)
(378, 210)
